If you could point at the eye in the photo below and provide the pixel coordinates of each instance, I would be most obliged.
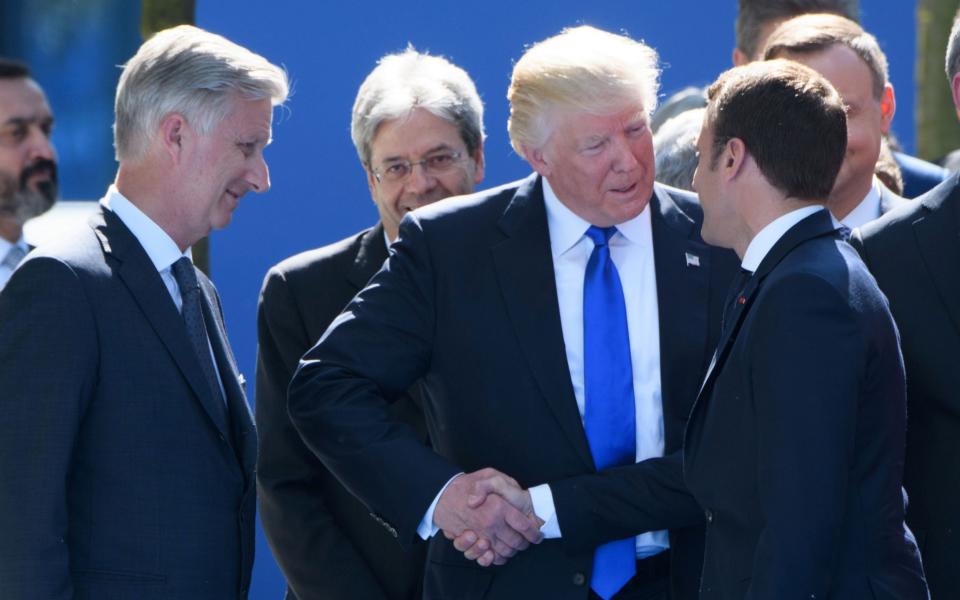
(248, 148)
(14, 133)
(396, 170)
(440, 161)
(47, 128)
(636, 130)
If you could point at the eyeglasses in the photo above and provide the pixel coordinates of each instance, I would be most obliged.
(435, 164)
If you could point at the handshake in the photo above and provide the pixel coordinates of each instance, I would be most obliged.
(488, 516)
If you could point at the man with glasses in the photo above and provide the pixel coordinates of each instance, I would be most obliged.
(418, 130)
(28, 168)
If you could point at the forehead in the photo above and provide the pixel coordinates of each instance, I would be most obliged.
(22, 98)
(248, 118)
(577, 124)
(414, 135)
(842, 67)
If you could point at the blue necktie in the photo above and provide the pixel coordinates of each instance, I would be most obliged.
(609, 411)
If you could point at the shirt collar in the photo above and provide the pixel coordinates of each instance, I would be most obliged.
(567, 228)
(159, 246)
(5, 246)
(867, 210)
(761, 243)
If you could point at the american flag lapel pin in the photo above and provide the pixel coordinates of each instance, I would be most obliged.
(692, 260)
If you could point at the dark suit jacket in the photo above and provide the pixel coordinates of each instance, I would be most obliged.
(121, 477)
(469, 304)
(889, 200)
(323, 537)
(795, 445)
(919, 176)
(914, 253)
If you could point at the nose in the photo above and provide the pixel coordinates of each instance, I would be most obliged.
(624, 158)
(419, 181)
(259, 175)
(39, 145)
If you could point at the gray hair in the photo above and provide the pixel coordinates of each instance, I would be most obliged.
(754, 15)
(581, 68)
(408, 80)
(675, 148)
(953, 49)
(189, 71)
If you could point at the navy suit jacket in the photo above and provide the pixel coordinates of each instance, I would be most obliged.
(121, 476)
(321, 535)
(795, 445)
(919, 176)
(914, 252)
(469, 304)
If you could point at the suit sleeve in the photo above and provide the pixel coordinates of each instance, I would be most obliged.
(48, 349)
(317, 558)
(806, 360)
(377, 348)
(623, 502)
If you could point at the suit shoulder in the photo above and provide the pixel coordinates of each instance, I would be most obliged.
(687, 202)
(490, 202)
(319, 261)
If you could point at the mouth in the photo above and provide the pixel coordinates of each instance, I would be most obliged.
(626, 190)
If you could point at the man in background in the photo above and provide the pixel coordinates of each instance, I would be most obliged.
(914, 252)
(851, 60)
(418, 129)
(28, 162)
(127, 448)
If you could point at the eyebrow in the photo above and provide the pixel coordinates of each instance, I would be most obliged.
(44, 120)
(436, 148)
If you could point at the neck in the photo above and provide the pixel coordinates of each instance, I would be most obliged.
(762, 218)
(11, 229)
(146, 191)
(842, 201)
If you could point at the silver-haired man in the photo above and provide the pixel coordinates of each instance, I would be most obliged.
(126, 445)
(558, 325)
(418, 130)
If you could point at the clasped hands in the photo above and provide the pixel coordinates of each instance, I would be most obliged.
(488, 516)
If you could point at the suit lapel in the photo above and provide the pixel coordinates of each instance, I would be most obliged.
(524, 267)
(889, 200)
(241, 421)
(815, 225)
(370, 257)
(938, 239)
(151, 295)
(682, 268)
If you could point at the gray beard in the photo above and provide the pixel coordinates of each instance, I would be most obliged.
(23, 203)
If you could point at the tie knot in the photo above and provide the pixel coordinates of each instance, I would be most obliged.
(185, 275)
(600, 235)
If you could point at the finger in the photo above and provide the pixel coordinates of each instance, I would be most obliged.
(504, 550)
(527, 526)
(465, 541)
(488, 559)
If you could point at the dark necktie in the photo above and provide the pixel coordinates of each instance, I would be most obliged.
(192, 312)
(609, 407)
(845, 232)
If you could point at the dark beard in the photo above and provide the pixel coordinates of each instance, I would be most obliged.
(21, 201)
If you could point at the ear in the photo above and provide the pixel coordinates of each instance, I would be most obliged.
(888, 106)
(739, 58)
(172, 133)
(536, 159)
(733, 158)
(478, 164)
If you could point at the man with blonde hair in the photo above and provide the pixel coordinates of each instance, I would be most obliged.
(418, 129)
(558, 324)
(126, 445)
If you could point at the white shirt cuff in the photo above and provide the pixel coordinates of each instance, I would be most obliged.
(427, 529)
(542, 498)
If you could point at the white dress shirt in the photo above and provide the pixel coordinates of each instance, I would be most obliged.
(6, 247)
(159, 246)
(767, 237)
(631, 250)
(868, 209)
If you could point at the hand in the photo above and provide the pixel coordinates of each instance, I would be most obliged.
(493, 525)
(476, 548)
